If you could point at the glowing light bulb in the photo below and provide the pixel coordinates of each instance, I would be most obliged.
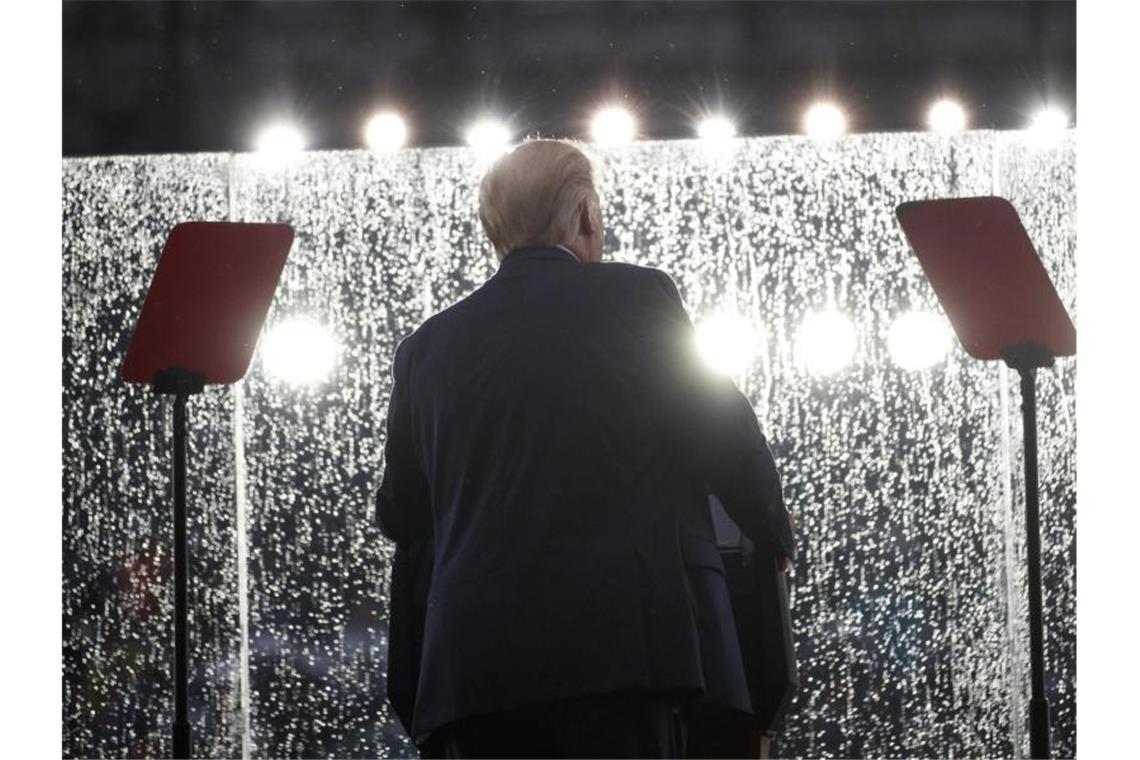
(727, 343)
(716, 129)
(385, 132)
(918, 340)
(279, 144)
(613, 126)
(825, 121)
(826, 342)
(946, 116)
(299, 351)
(1047, 127)
(489, 138)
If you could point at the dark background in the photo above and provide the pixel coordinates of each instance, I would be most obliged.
(158, 77)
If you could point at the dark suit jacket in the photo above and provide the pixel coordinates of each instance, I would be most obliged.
(722, 663)
(547, 432)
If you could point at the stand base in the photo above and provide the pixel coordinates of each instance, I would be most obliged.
(1039, 728)
(181, 737)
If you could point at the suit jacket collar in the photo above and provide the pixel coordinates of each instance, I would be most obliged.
(536, 253)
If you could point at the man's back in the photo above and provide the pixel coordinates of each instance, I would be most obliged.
(539, 432)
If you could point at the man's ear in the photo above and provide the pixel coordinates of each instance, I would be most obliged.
(586, 223)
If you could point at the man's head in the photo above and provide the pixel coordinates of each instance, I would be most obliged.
(542, 193)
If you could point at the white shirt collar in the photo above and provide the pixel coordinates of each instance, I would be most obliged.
(569, 252)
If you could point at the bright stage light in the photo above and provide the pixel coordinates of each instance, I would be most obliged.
(826, 342)
(727, 343)
(716, 129)
(918, 340)
(946, 116)
(825, 121)
(613, 126)
(1047, 126)
(385, 132)
(299, 351)
(489, 138)
(279, 143)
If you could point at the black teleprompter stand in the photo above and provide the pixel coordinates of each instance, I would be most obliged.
(181, 384)
(204, 309)
(988, 277)
(1027, 358)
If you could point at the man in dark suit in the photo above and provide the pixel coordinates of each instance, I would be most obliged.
(551, 433)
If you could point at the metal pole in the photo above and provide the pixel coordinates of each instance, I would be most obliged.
(1038, 704)
(181, 737)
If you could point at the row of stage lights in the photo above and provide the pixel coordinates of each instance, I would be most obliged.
(387, 131)
(300, 351)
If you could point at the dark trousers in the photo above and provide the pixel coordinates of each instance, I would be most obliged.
(626, 724)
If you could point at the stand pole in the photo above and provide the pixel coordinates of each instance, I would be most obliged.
(1038, 704)
(181, 737)
(181, 384)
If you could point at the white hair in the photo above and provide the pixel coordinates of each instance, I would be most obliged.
(532, 195)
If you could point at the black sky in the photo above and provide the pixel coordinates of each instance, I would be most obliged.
(156, 77)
